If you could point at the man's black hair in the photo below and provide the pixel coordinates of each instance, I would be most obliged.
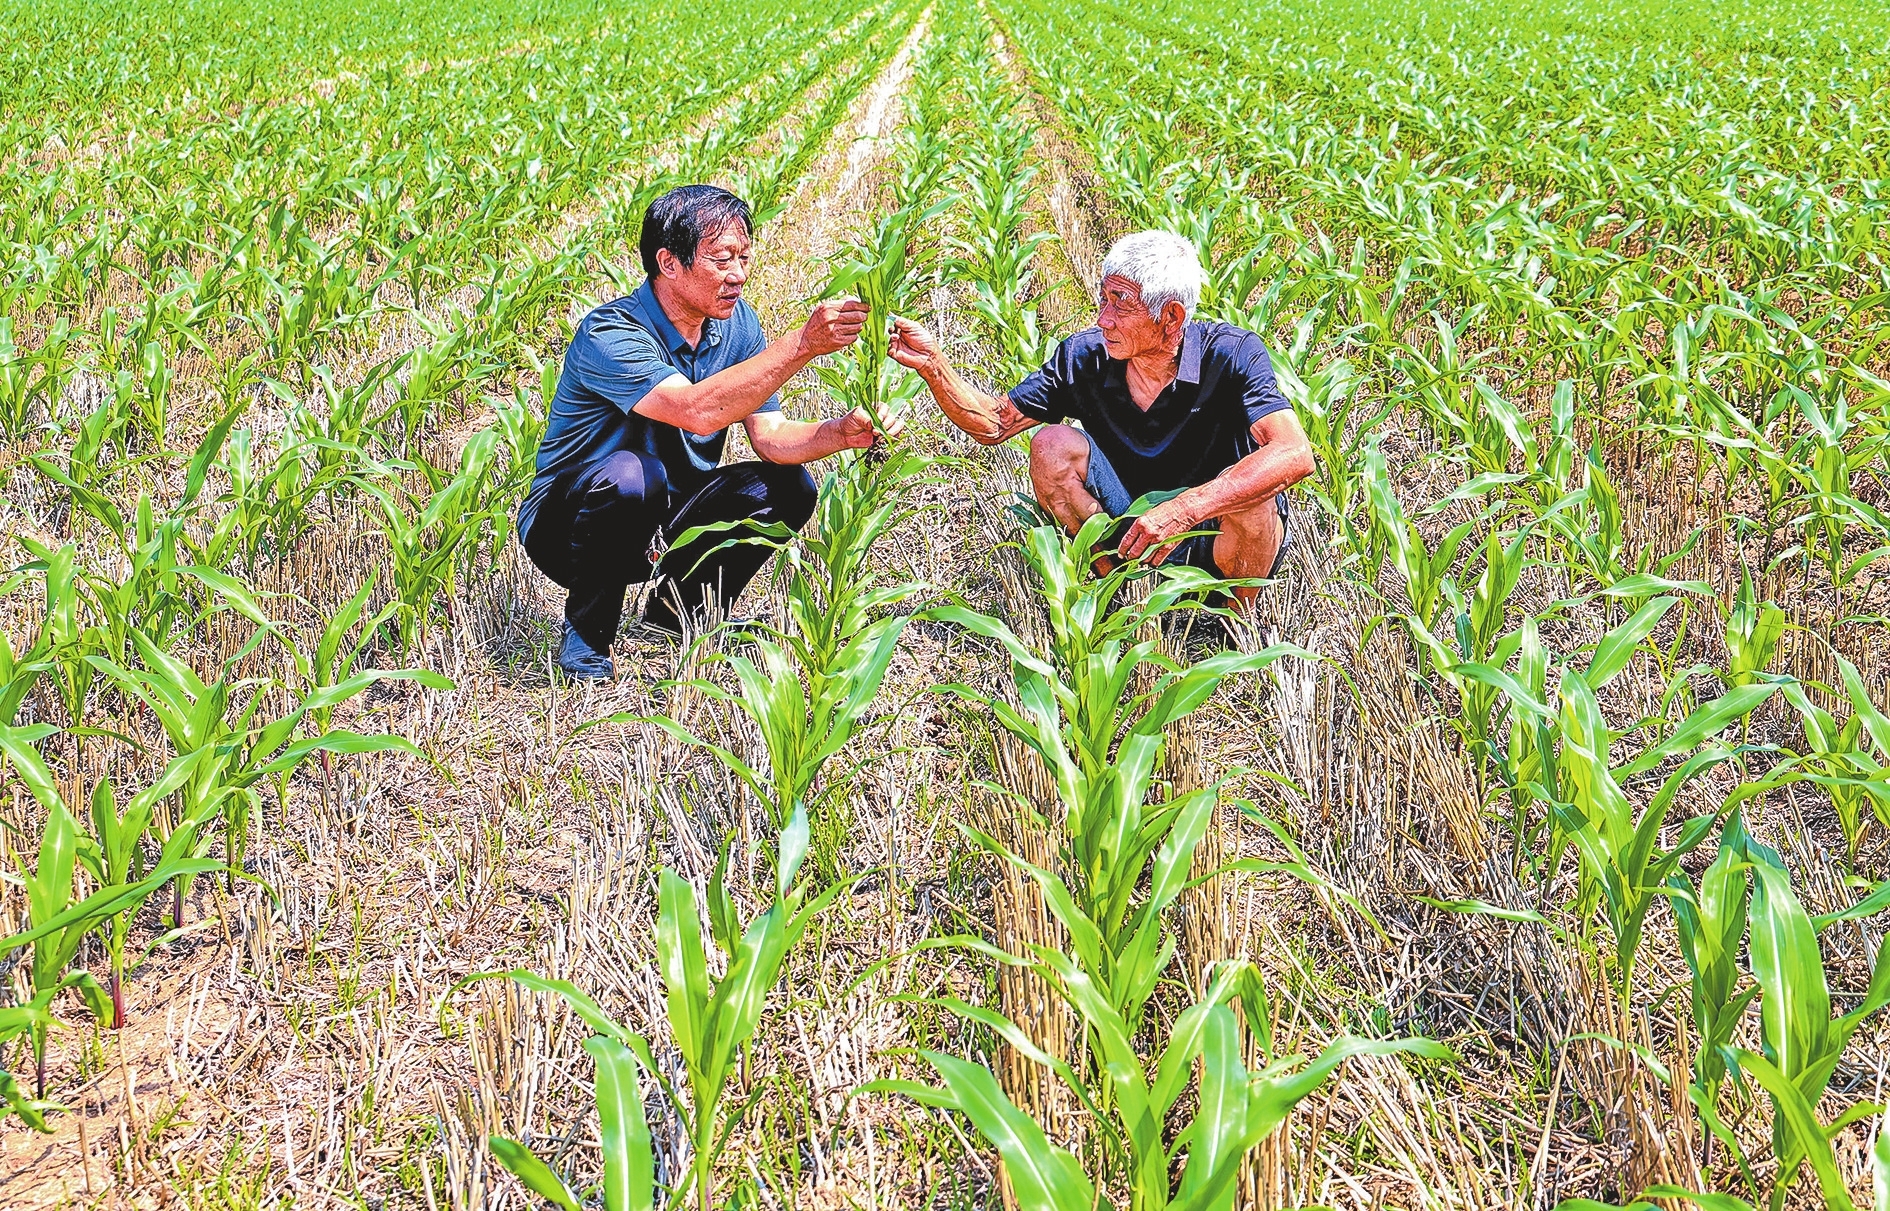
(681, 218)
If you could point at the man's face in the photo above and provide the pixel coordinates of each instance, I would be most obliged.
(712, 284)
(1128, 330)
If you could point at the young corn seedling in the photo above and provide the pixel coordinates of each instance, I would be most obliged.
(1801, 1043)
(710, 1021)
(810, 684)
(1622, 864)
(31, 382)
(227, 719)
(1328, 406)
(112, 855)
(878, 272)
(1850, 760)
(1753, 631)
(1712, 928)
(430, 538)
(1102, 744)
(58, 918)
(1234, 1109)
(1428, 584)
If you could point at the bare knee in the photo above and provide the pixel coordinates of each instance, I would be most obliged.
(1059, 448)
(1249, 541)
(1059, 457)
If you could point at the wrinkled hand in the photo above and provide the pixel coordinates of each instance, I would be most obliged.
(834, 324)
(913, 347)
(856, 428)
(1156, 532)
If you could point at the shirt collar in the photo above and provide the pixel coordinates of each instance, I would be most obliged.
(653, 315)
(1189, 371)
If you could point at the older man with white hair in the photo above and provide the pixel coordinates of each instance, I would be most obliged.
(1182, 411)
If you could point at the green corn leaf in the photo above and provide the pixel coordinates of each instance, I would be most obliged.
(795, 839)
(629, 1162)
(1800, 1125)
(1796, 1005)
(685, 970)
(536, 1174)
(1643, 584)
(1043, 1176)
(1875, 902)
(1217, 1136)
(31, 1110)
(1617, 647)
(1707, 721)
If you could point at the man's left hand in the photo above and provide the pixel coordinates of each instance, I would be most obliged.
(856, 428)
(1155, 533)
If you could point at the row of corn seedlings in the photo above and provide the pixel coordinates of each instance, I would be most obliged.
(806, 686)
(1096, 709)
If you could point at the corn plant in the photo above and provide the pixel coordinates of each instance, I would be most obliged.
(1801, 1043)
(1753, 631)
(31, 381)
(1235, 1109)
(1328, 404)
(710, 1019)
(431, 537)
(1849, 760)
(1712, 927)
(1428, 585)
(1102, 744)
(808, 686)
(58, 919)
(229, 719)
(112, 855)
(879, 272)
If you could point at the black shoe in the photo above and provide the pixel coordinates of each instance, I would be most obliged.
(580, 661)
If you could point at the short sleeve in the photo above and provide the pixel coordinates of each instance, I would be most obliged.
(1045, 395)
(618, 361)
(753, 342)
(1259, 389)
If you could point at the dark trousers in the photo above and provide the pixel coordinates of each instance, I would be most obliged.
(592, 535)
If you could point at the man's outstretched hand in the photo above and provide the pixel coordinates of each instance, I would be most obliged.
(856, 428)
(913, 347)
(833, 325)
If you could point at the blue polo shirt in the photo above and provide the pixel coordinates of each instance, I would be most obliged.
(619, 352)
(1200, 425)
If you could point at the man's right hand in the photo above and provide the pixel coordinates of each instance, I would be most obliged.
(834, 324)
(914, 348)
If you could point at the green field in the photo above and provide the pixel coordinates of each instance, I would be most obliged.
(1530, 843)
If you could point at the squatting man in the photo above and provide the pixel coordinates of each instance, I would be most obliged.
(1184, 412)
(631, 454)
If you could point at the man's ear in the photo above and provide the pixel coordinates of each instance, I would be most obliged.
(667, 264)
(1174, 315)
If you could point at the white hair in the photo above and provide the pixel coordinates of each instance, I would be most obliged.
(1163, 264)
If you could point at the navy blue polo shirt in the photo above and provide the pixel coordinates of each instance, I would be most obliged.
(1200, 425)
(619, 353)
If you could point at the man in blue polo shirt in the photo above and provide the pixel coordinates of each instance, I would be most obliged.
(1187, 410)
(632, 447)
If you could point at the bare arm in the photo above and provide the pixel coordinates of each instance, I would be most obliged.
(1284, 458)
(989, 419)
(727, 396)
(780, 440)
